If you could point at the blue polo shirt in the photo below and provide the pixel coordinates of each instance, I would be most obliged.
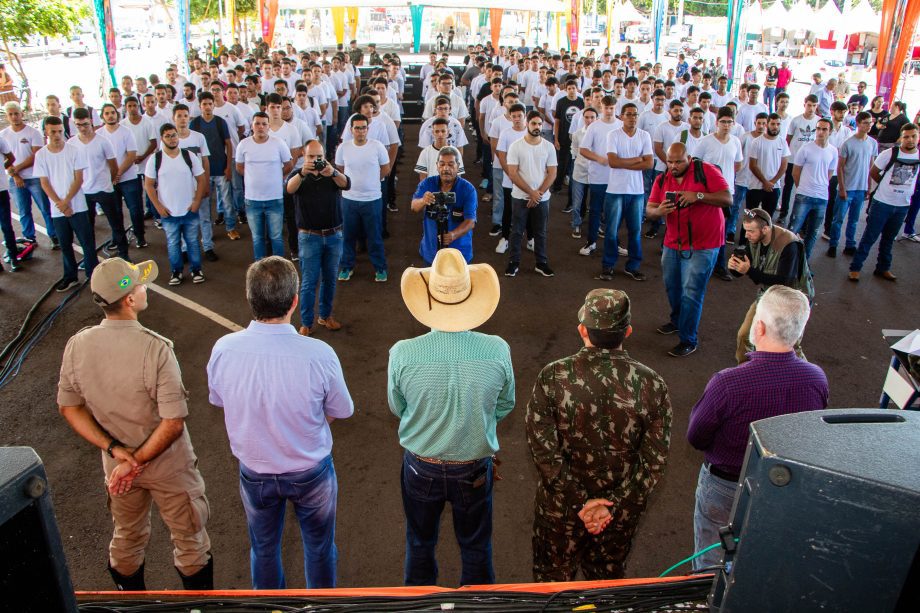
(464, 209)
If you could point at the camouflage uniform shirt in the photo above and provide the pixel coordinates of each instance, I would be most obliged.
(599, 426)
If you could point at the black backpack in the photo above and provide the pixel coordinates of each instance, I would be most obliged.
(158, 160)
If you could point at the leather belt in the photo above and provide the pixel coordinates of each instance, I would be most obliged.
(443, 462)
(326, 232)
(721, 474)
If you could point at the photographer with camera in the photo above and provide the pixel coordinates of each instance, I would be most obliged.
(449, 203)
(773, 256)
(692, 193)
(316, 189)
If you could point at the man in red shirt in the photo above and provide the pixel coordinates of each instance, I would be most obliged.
(783, 78)
(691, 193)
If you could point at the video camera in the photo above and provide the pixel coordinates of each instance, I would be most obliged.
(439, 211)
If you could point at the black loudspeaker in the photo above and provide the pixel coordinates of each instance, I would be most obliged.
(827, 516)
(33, 570)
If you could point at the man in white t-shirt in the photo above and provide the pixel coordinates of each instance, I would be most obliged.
(59, 168)
(427, 164)
(666, 134)
(768, 157)
(801, 131)
(750, 108)
(367, 163)
(514, 131)
(531, 165)
(98, 179)
(895, 170)
(457, 105)
(127, 187)
(263, 161)
(649, 120)
(580, 165)
(815, 164)
(594, 148)
(629, 152)
(838, 135)
(456, 135)
(6, 219)
(176, 182)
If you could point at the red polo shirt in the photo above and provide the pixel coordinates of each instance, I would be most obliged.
(783, 76)
(703, 223)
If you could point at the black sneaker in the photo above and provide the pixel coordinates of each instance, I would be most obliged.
(157, 224)
(176, 278)
(682, 350)
(576, 232)
(512, 270)
(849, 251)
(544, 270)
(636, 274)
(666, 329)
(65, 285)
(55, 244)
(831, 252)
(607, 274)
(220, 220)
(197, 276)
(651, 233)
(496, 230)
(242, 219)
(148, 216)
(391, 207)
(601, 232)
(721, 273)
(730, 238)
(210, 256)
(567, 208)
(26, 241)
(141, 244)
(110, 249)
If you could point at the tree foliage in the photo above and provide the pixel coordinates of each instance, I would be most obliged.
(202, 10)
(20, 19)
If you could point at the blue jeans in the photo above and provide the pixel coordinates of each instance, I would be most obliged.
(178, 228)
(807, 219)
(130, 191)
(485, 150)
(769, 98)
(498, 194)
(852, 204)
(6, 225)
(579, 191)
(23, 197)
(714, 499)
(363, 215)
(319, 263)
(686, 274)
(738, 199)
(425, 489)
(627, 207)
(110, 204)
(313, 493)
(76, 225)
(221, 187)
(266, 221)
(597, 195)
(883, 221)
(912, 214)
(537, 216)
(236, 195)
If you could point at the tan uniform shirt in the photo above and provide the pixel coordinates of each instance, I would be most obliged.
(129, 378)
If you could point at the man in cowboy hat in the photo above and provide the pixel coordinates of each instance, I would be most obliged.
(121, 390)
(449, 388)
(598, 425)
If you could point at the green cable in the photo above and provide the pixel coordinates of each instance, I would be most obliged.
(691, 558)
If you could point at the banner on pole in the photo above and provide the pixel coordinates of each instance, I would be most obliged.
(184, 21)
(268, 13)
(659, 8)
(231, 15)
(352, 12)
(574, 10)
(899, 20)
(416, 10)
(495, 24)
(734, 39)
(106, 36)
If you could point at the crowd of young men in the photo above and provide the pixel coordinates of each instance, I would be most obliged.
(628, 144)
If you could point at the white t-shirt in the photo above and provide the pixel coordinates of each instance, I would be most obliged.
(456, 136)
(532, 162)
(58, 168)
(747, 114)
(769, 155)
(897, 185)
(802, 132)
(246, 112)
(622, 181)
(486, 106)
(720, 100)
(508, 136)
(263, 165)
(4, 179)
(362, 165)
(691, 142)
(176, 186)
(287, 134)
(98, 176)
(234, 119)
(817, 164)
(158, 122)
(21, 144)
(837, 138)
(122, 141)
(667, 134)
(596, 140)
(143, 133)
(722, 155)
(428, 162)
(648, 120)
(580, 167)
(499, 124)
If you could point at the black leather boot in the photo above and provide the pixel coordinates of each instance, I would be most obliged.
(132, 583)
(202, 580)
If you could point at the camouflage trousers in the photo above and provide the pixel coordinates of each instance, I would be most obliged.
(561, 545)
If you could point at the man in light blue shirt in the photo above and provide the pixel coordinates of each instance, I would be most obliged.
(280, 391)
(449, 388)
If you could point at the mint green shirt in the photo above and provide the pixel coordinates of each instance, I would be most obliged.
(449, 391)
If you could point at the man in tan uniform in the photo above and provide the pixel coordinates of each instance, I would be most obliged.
(137, 419)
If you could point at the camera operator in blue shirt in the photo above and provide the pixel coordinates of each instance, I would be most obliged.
(448, 202)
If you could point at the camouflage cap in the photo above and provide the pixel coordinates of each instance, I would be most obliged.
(605, 309)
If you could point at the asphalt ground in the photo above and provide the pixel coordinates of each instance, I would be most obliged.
(536, 316)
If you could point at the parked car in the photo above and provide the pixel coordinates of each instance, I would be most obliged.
(672, 47)
(638, 34)
(81, 44)
(829, 67)
(128, 40)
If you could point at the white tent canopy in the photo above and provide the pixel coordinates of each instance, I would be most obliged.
(753, 21)
(801, 17)
(775, 16)
(861, 19)
(627, 13)
(828, 19)
(552, 6)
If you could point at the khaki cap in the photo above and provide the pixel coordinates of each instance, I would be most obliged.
(115, 278)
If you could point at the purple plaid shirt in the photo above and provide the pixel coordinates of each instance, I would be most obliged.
(770, 384)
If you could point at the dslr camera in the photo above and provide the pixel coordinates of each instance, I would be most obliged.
(319, 164)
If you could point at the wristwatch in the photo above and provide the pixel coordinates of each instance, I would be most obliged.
(700, 195)
(302, 176)
(335, 173)
(115, 443)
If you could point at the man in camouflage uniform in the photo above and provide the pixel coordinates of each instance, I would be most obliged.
(374, 57)
(355, 53)
(598, 425)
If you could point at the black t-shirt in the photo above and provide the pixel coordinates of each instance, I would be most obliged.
(891, 131)
(565, 110)
(318, 203)
(861, 99)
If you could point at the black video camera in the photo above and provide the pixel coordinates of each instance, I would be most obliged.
(319, 164)
(439, 211)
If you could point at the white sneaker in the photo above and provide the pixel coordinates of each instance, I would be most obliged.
(502, 245)
(530, 245)
(622, 251)
(587, 249)
(825, 236)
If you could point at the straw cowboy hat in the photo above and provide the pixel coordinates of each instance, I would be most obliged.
(451, 296)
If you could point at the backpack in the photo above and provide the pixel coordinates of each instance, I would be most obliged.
(158, 161)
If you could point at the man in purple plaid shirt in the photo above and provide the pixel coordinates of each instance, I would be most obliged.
(774, 382)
